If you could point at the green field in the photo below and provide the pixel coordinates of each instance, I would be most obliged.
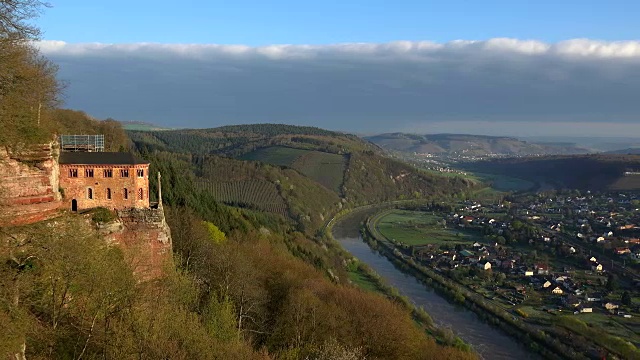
(420, 228)
(261, 195)
(325, 168)
(614, 325)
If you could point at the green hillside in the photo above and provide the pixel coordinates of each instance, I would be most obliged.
(309, 204)
(584, 172)
(371, 178)
(308, 165)
(235, 141)
(325, 168)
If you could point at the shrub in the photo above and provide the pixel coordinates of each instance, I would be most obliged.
(102, 215)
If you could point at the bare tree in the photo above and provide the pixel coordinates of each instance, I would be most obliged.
(15, 16)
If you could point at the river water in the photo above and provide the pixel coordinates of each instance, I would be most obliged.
(488, 341)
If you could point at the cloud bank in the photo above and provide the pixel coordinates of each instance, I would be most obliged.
(360, 87)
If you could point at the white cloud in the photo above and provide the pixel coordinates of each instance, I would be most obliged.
(355, 85)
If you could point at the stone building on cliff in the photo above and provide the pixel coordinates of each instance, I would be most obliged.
(113, 180)
(46, 181)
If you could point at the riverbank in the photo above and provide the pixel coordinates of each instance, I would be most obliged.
(442, 336)
(535, 339)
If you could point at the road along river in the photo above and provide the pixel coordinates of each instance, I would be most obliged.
(489, 342)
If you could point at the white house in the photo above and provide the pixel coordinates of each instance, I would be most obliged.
(484, 264)
(611, 306)
(557, 290)
(546, 284)
(597, 267)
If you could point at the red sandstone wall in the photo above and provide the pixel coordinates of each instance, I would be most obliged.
(29, 185)
(145, 239)
(77, 187)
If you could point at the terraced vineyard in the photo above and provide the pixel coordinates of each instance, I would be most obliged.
(275, 155)
(324, 168)
(256, 194)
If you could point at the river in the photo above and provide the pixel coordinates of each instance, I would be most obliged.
(488, 341)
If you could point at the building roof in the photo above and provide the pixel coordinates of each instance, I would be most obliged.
(100, 158)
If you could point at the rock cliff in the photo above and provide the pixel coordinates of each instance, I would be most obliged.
(29, 190)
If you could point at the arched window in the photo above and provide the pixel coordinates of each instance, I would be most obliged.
(125, 194)
(140, 194)
(89, 193)
(108, 194)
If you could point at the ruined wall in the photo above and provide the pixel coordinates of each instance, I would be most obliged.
(29, 185)
(145, 238)
(77, 187)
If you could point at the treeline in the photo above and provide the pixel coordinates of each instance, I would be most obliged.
(29, 91)
(28, 85)
(73, 122)
(235, 141)
(271, 130)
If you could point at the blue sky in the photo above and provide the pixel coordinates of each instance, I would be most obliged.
(260, 22)
(563, 67)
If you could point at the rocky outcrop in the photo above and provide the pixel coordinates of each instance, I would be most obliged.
(145, 238)
(29, 188)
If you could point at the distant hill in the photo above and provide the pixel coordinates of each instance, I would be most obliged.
(477, 145)
(141, 126)
(584, 172)
(237, 140)
(628, 151)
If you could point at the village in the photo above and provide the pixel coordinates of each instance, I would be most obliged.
(540, 254)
